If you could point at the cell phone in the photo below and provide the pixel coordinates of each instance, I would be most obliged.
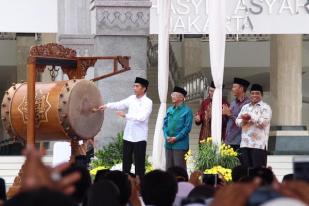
(301, 168)
(211, 179)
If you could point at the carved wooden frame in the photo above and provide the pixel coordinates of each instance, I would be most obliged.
(53, 54)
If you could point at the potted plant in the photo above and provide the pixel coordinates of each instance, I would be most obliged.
(214, 159)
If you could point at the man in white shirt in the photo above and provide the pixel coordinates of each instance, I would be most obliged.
(254, 119)
(136, 130)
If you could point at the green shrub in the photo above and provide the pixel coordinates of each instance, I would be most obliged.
(209, 156)
(110, 155)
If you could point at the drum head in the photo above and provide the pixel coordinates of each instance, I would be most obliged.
(83, 98)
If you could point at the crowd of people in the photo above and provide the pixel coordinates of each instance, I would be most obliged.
(71, 185)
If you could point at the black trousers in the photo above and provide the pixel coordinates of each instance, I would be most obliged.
(134, 151)
(251, 157)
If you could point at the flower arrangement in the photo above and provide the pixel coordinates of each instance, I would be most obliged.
(214, 159)
(188, 155)
(94, 171)
(224, 172)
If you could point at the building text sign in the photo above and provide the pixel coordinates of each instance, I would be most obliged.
(242, 16)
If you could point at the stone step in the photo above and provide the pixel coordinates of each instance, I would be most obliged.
(10, 166)
(280, 164)
(9, 180)
(281, 158)
(6, 172)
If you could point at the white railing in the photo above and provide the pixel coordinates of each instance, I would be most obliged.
(196, 86)
(241, 37)
(248, 37)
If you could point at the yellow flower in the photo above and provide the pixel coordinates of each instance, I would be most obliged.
(149, 168)
(227, 150)
(94, 171)
(188, 155)
(224, 172)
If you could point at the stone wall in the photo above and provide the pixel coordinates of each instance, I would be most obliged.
(117, 28)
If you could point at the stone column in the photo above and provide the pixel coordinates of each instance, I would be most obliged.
(192, 55)
(23, 45)
(120, 28)
(286, 79)
(287, 135)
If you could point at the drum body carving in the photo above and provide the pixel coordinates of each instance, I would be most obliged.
(63, 110)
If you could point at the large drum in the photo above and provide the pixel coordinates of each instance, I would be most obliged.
(63, 109)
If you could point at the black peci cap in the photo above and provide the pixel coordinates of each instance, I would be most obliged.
(256, 87)
(242, 82)
(180, 90)
(142, 81)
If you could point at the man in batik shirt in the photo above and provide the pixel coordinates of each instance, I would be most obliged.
(254, 119)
